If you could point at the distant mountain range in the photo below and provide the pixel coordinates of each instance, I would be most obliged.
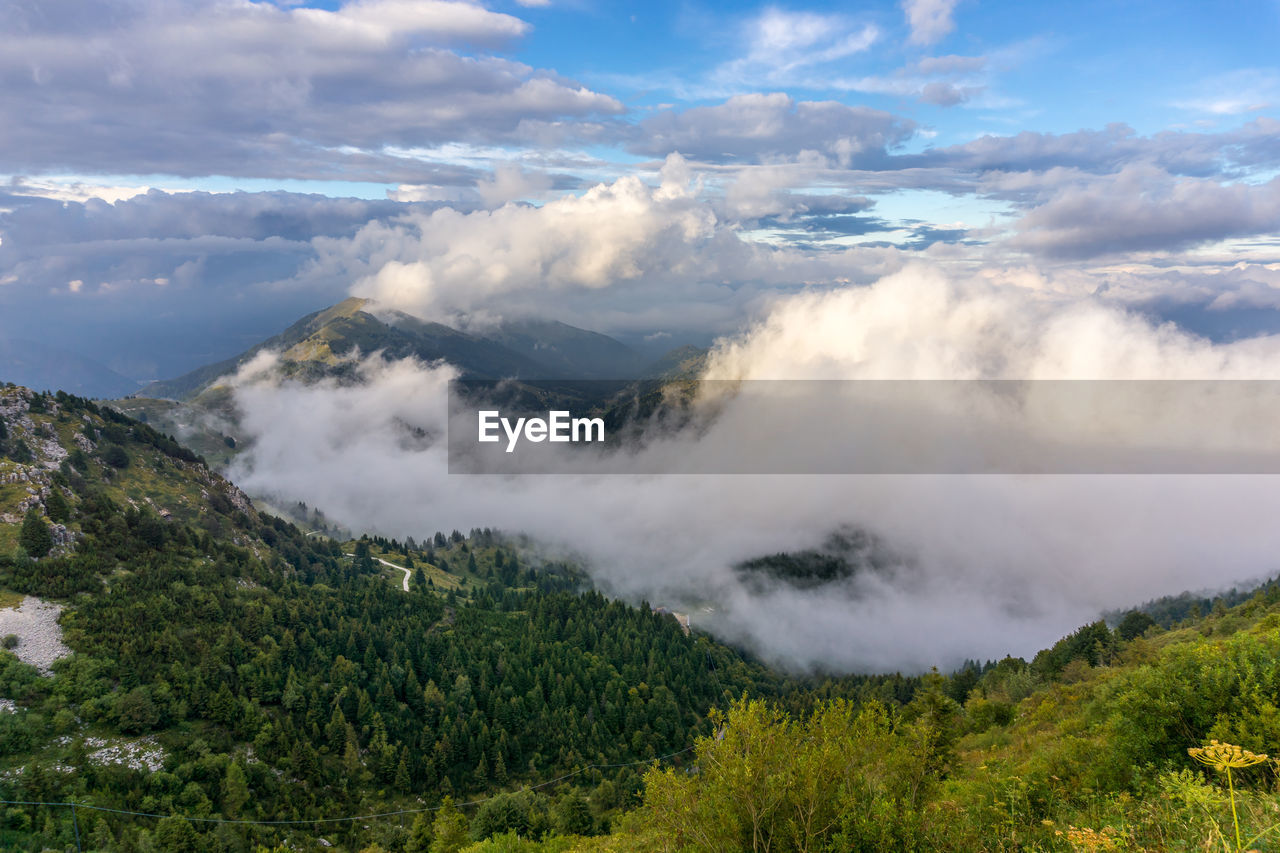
(37, 365)
(547, 358)
(525, 349)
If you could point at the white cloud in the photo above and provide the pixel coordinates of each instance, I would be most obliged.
(994, 564)
(939, 80)
(769, 126)
(781, 46)
(1246, 91)
(930, 20)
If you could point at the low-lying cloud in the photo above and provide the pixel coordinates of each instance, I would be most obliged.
(990, 565)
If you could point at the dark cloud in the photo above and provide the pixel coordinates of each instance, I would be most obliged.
(827, 225)
(1142, 208)
(156, 215)
(217, 87)
(161, 283)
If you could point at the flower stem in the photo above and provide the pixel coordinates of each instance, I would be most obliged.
(1235, 818)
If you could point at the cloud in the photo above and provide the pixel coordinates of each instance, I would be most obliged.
(942, 81)
(930, 20)
(161, 283)
(768, 191)
(1238, 92)
(243, 88)
(760, 126)
(992, 564)
(511, 183)
(1141, 208)
(782, 46)
(1252, 146)
(624, 256)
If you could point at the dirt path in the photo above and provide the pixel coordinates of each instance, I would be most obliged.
(401, 568)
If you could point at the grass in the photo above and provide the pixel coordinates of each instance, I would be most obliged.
(9, 599)
(196, 429)
(441, 579)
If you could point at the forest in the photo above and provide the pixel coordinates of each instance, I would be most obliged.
(272, 685)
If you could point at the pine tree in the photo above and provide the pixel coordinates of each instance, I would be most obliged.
(420, 835)
(57, 508)
(293, 699)
(450, 829)
(35, 537)
(235, 790)
(402, 780)
(223, 707)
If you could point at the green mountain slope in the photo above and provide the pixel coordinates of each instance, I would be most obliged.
(228, 672)
(226, 666)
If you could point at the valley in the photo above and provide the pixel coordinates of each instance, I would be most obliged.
(230, 682)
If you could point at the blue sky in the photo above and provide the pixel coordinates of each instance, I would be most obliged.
(636, 168)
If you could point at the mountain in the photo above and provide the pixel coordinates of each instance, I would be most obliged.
(196, 674)
(556, 366)
(529, 349)
(568, 352)
(315, 344)
(171, 649)
(38, 365)
(686, 362)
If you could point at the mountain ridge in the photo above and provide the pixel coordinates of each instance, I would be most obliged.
(523, 349)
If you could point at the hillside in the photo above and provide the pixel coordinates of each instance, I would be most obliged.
(1137, 739)
(224, 664)
(218, 672)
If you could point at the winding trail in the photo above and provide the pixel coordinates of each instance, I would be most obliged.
(401, 568)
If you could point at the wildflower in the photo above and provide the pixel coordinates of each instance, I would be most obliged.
(1223, 757)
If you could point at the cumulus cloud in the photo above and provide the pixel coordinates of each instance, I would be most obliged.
(990, 564)
(511, 183)
(930, 20)
(243, 88)
(625, 256)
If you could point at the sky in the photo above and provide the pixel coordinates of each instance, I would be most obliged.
(924, 189)
(181, 179)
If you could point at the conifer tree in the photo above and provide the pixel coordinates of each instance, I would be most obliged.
(56, 507)
(35, 537)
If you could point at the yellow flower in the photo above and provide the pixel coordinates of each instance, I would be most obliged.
(1221, 756)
